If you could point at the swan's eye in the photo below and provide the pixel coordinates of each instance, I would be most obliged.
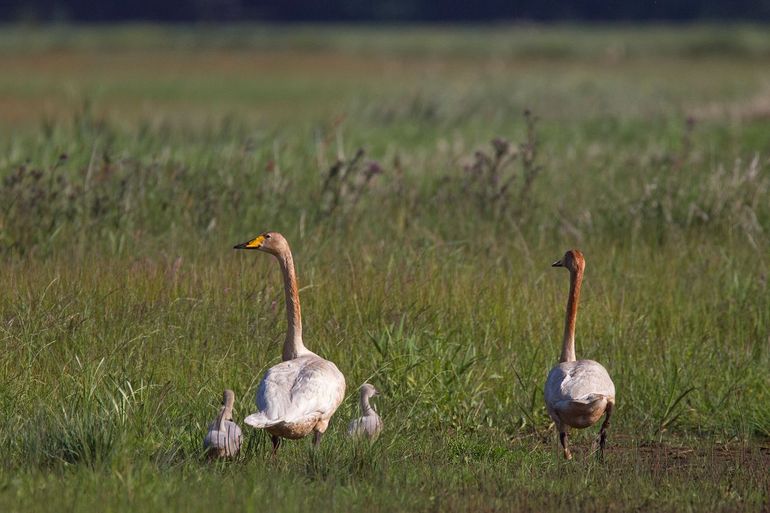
(267, 235)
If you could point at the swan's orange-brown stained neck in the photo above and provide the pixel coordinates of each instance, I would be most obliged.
(573, 260)
(275, 244)
(293, 345)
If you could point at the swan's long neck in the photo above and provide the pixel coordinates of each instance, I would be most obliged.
(292, 346)
(366, 408)
(568, 344)
(222, 418)
(226, 413)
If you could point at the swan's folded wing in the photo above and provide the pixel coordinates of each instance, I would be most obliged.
(215, 440)
(354, 427)
(588, 380)
(579, 381)
(369, 426)
(234, 438)
(318, 390)
(296, 389)
(373, 425)
(553, 385)
(274, 392)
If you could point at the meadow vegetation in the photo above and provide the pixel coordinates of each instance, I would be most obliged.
(426, 178)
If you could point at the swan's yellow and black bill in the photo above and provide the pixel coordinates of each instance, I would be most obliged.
(558, 263)
(252, 244)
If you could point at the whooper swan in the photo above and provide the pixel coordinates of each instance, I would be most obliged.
(369, 425)
(299, 395)
(577, 392)
(224, 437)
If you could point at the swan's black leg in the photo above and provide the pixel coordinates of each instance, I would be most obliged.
(317, 438)
(276, 444)
(563, 440)
(603, 430)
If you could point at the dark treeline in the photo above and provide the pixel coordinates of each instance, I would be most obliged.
(381, 11)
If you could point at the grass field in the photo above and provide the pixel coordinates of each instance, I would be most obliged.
(426, 179)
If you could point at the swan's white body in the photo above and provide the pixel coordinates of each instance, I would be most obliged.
(224, 437)
(577, 392)
(299, 395)
(369, 425)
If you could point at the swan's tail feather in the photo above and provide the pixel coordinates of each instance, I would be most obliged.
(259, 421)
(591, 398)
(302, 419)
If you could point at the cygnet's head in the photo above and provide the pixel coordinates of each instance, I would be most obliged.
(368, 391)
